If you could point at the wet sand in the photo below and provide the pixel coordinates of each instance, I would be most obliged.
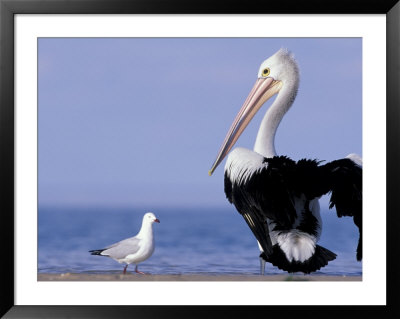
(191, 277)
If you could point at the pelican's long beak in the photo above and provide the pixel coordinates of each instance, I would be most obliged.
(263, 89)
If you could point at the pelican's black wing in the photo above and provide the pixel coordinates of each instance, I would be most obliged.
(266, 193)
(270, 192)
(343, 178)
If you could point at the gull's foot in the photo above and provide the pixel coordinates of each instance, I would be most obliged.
(139, 272)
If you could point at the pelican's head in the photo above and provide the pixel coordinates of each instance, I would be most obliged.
(277, 72)
(150, 218)
(281, 67)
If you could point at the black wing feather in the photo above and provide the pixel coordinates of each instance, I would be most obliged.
(344, 179)
(321, 258)
(96, 252)
(265, 195)
(270, 193)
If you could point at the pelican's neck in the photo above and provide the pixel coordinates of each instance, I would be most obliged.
(265, 141)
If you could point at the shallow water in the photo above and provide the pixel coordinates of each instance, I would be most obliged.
(188, 241)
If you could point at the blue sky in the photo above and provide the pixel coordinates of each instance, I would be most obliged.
(139, 121)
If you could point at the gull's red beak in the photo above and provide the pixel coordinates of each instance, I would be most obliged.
(157, 220)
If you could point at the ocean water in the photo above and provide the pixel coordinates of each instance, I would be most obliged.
(191, 240)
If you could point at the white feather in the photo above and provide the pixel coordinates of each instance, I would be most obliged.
(242, 164)
(355, 158)
(297, 245)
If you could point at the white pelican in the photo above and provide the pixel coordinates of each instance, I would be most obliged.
(277, 196)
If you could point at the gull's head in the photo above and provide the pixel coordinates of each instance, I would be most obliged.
(150, 218)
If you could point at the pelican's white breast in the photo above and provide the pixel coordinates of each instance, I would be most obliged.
(243, 163)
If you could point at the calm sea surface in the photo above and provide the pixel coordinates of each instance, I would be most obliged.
(188, 241)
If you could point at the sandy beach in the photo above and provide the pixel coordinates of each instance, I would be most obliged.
(190, 277)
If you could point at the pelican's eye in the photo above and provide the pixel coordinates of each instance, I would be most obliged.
(266, 72)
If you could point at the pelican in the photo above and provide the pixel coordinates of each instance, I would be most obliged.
(277, 196)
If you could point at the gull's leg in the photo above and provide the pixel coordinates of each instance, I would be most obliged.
(139, 272)
(124, 272)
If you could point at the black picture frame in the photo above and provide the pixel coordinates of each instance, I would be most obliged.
(9, 8)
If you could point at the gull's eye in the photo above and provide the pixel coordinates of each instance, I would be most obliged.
(266, 72)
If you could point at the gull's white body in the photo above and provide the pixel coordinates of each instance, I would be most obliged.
(145, 246)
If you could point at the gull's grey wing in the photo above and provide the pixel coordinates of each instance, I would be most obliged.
(122, 249)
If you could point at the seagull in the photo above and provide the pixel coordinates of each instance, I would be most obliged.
(133, 250)
(277, 196)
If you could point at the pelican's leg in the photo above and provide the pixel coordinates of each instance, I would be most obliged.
(262, 260)
(262, 266)
(139, 272)
(124, 272)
